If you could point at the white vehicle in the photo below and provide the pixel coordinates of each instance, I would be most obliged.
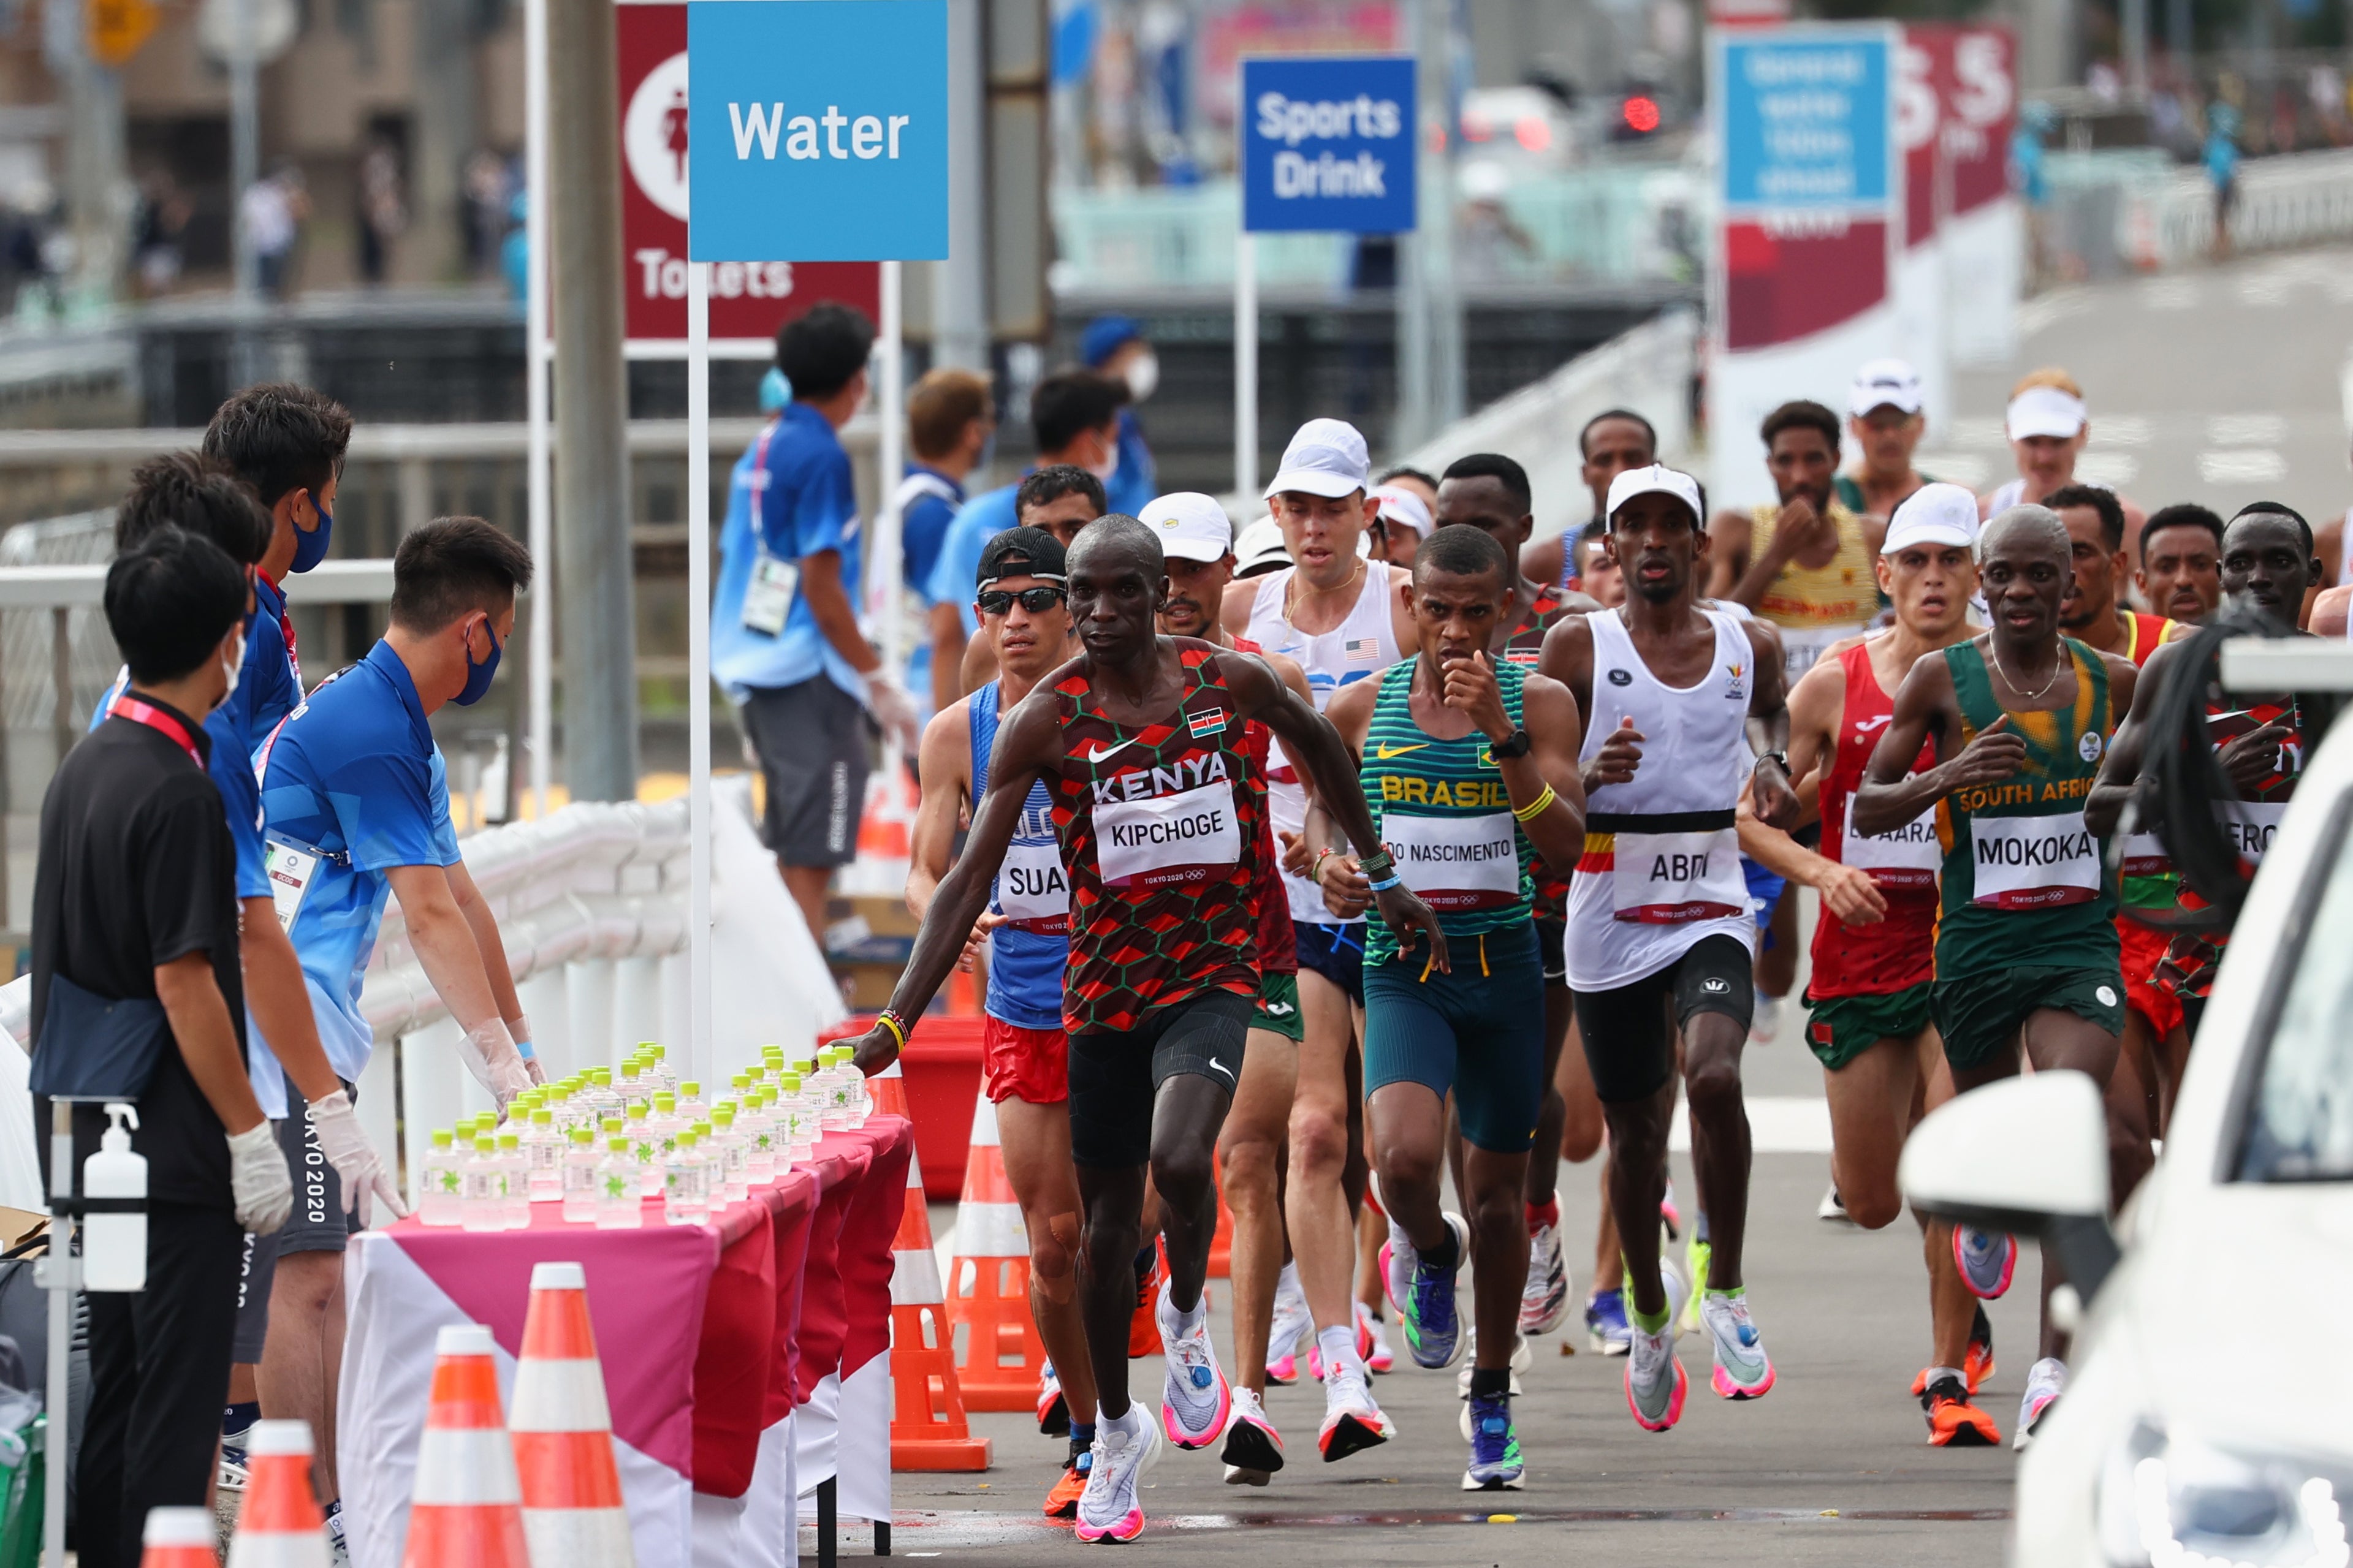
(2203, 1425)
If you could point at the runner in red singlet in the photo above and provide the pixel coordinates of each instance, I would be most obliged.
(1141, 741)
(1875, 947)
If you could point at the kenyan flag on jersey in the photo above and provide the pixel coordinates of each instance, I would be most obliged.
(1160, 829)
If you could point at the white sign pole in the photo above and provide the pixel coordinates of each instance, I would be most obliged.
(701, 1048)
(1246, 368)
(883, 589)
(538, 707)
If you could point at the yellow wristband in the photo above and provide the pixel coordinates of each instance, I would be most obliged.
(1535, 807)
(890, 1021)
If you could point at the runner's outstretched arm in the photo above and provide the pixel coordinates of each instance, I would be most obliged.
(2121, 771)
(1768, 710)
(1023, 753)
(1309, 739)
(1926, 703)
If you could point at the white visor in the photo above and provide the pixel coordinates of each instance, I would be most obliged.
(2046, 411)
(1656, 479)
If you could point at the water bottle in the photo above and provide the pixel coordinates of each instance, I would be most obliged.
(580, 1176)
(115, 1246)
(601, 1101)
(686, 1182)
(517, 1192)
(758, 1126)
(485, 1187)
(772, 1062)
(797, 1121)
(861, 1097)
(637, 1127)
(667, 1124)
(692, 1107)
(633, 1084)
(731, 1152)
(619, 1187)
(657, 1066)
(440, 1195)
(840, 1108)
(543, 1149)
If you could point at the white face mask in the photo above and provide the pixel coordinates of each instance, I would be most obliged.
(1103, 470)
(1142, 374)
(233, 668)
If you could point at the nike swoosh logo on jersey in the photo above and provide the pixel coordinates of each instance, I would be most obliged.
(1384, 753)
(1100, 753)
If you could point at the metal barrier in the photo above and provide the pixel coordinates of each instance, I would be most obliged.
(2147, 215)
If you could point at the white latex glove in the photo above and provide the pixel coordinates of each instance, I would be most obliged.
(489, 1053)
(356, 1164)
(258, 1180)
(893, 710)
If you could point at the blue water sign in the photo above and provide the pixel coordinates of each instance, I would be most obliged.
(818, 129)
(1328, 145)
(1806, 118)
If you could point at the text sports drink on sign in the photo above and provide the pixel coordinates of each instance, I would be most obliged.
(1329, 145)
(1805, 121)
(828, 119)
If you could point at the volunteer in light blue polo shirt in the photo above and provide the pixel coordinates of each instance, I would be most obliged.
(1115, 346)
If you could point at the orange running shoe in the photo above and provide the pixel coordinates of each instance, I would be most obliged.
(1143, 1328)
(1977, 1365)
(1953, 1421)
(1062, 1502)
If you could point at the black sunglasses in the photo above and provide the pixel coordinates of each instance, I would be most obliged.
(1036, 601)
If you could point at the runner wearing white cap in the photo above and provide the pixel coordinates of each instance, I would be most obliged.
(1660, 936)
(1343, 618)
(1401, 520)
(1886, 416)
(1874, 949)
(2048, 426)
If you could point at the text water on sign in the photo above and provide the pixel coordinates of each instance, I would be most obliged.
(1329, 145)
(1806, 123)
(830, 120)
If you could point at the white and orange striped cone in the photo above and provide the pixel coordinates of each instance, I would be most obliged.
(929, 1430)
(467, 1509)
(178, 1537)
(563, 1430)
(991, 1299)
(280, 1525)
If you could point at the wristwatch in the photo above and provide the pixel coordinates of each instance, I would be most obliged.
(1515, 745)
(1778, 758)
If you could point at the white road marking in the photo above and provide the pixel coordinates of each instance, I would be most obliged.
(2246, 430)
(1777, 1124)
(2248, 466)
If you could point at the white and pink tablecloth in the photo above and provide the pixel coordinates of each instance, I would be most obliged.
(746, 1360)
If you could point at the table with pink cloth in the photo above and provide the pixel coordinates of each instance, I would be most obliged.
(742, 1356)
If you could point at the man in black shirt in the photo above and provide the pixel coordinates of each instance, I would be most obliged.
(134, 898)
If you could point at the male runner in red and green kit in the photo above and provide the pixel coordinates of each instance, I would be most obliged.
(2027, 962)
(1874, 948)
(1141, 741)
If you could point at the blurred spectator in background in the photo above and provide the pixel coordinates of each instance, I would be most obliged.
(1492, 246)
(951, 427)
(489, 188)
(1885, 419)
(156, 231)
(383, 213)
(2026, 177)
(1611, 442)
(272, 212)
(514, 264)
(2221, 160)
(1115, 346)
(1400, 523)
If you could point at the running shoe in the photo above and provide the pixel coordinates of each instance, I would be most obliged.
(1976, 1364)
(1352, 1421)
(1523, 1358)
(1495, 1447)
(1433, 1328)
(235, 1472)
(1987, 1259)
(1062, 1502)
(1655, 1384)
(1143, 1333)
(1253, 1448)
(1833, 1207)
(1742, 1370)
(1396, 1268)
(1363, 1344)
(1607, 1331)
(2044, 1383)
(1544, 1301)
(1194, 1398)
(1374, 1341)
(1695, 1261)
(1953, 1421)
(1290, 1327)
(1669, 1214)
(1765, 1019)
(1053, 1410)
(1110, 1508)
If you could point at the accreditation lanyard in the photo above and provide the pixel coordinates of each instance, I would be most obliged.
(129, 707)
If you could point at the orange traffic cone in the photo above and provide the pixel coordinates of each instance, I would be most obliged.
(179, 1538)
(991, 1302)
(562, 1430)
(280, 1525)
(928, 1428)
(882, 830)
(467, 1509)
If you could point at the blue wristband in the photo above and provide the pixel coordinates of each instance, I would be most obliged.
(1394, 881)
(522, 1050)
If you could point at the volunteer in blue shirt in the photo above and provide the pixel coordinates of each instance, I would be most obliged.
(784, 638)
(1115, 346)
(355, 803)
(951, 425)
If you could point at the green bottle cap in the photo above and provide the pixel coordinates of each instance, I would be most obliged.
(790, 1083)
(617, 1145)
(665, 1102)
(442, 1139)
(542, 1119)
(610, 1126)
(602, 1078)
(509, 1140)
(691, 1089)
(724, 1116)
(702, 1130)
(486, 1145)
(582, 1136)
(636, 1110)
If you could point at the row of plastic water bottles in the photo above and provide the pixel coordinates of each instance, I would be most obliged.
(601, 1149)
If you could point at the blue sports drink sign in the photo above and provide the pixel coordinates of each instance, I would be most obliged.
(818, 129)
(1328, 145)
(1805, 119)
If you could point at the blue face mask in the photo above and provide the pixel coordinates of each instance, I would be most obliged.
(311, 548)
(478, 676)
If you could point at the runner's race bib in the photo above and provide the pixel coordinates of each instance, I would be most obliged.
(768, 597)
(1456, 863)
(1032, 892)
(2145, 856)
(1909, 857)
(2033, 862)
(1671, 878)
(2250, 827)
(290, 872)
(1187, 837)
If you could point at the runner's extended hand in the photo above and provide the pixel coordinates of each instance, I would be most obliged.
(1996, 754)
(1851, 894)
(989, 922)
(875, 1049)
(1406, 915)
(1470, 689)
(1619, 755)
(1770, 796)
(1347, 890)
(2252, 760)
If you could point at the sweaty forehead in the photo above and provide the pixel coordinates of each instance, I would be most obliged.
(1475, 493)
(2182, 539)
(2263, 531)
